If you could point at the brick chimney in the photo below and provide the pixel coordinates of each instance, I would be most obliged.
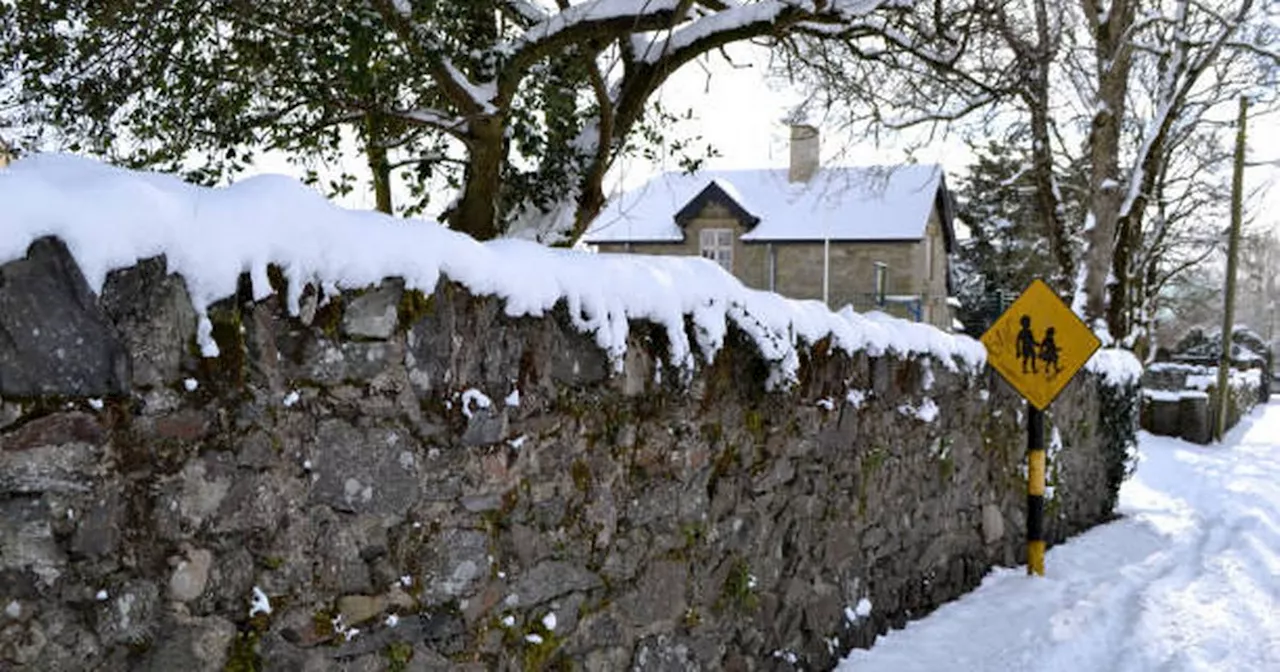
(804, 153)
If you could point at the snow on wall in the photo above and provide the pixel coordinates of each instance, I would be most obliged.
(111, 218)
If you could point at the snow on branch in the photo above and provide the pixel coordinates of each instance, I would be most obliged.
(434, 119)
(527, 11)
(481, 94)
(833, 17)
(583, 15)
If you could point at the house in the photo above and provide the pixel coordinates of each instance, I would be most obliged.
(877, 238)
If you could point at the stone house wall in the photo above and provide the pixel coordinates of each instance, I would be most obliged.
(392, 481)
(799, 265)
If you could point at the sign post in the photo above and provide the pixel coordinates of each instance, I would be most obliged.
(1038, 345)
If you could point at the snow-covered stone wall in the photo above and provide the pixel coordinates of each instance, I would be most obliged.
(1182, 399)
(380, 478)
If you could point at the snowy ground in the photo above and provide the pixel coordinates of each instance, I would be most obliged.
(1189, 579)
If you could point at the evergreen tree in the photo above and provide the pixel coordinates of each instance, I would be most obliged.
(1008, 245)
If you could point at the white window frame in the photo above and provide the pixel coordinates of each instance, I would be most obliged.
(717, 245)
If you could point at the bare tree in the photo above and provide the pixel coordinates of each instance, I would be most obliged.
(1118, 87)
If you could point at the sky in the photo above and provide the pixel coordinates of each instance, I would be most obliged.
(1185, 580)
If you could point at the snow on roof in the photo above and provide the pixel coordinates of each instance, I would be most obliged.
(843, 203)
(112, 218)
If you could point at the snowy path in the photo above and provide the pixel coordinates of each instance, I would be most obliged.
(1189, 579)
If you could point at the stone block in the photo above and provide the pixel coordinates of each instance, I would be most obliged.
(190, 575)
(370, 470)
(372, 314)
(153, 312)
(992, 524)
(59, 342)
(551, 579)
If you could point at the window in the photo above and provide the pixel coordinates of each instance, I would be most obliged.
(882, 281)
(717, 245)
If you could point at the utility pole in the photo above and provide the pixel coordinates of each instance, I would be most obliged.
(1233, 251)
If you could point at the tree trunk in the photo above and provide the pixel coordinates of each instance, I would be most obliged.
(477, 211)
(1114, 58)
(1118, 307)
(1047, 196)
(376, 151)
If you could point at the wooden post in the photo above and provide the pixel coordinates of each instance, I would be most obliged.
(1233, 251)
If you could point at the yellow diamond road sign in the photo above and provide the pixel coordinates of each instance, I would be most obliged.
(1038, 344)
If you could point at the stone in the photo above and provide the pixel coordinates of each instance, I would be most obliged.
(328, 363)
(486, 426)
(191, 645)
(454, 565)
(373, 313)
(339, 566)
(153, 312)
(98, 526)
(637, 369)
(369, 470)
(126, 616)
(356, 609)
(58, 341)
(992, 524)
(663, 653)
(22, 643)
(257, 451)
(191, 575)
(9, 413)
(659, 595)
(66, 468)
(27, 541)
(202, 492)
(551, 579)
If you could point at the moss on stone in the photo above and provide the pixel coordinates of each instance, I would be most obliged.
(230, 366)
(398, 655)
(329, 316)
(243, 656)
(413, 306)
(753, 420)
(739, 589)
(581, 474)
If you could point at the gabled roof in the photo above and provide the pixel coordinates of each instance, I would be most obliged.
(721, 193)
(870, 203)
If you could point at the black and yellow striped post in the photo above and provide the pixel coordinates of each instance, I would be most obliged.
(1035, 491)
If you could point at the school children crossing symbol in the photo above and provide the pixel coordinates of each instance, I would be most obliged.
(1038, 344)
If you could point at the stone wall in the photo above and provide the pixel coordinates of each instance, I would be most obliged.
(1182, 399)
(392, 481)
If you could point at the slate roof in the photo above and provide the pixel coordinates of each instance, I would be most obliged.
(866, 203)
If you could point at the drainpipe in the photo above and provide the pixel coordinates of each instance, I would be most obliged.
(826, 259)
(771, 260)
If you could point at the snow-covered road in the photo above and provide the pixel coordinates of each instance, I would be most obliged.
(1189, 579)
